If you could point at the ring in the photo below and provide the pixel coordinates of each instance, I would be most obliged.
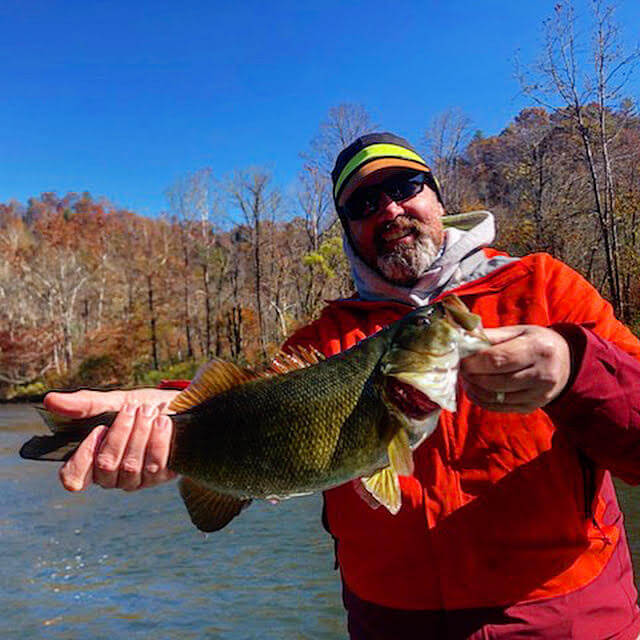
(499, 397)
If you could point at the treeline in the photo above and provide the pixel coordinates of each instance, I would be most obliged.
(91, 294)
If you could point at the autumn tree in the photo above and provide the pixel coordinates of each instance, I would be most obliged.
(590, 91)
(445, 140)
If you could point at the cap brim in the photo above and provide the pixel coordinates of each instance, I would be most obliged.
(383, 166)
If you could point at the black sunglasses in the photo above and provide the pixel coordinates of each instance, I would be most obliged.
(364, 202)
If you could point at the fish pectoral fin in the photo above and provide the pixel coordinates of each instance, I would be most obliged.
(384, 486)
(209, 510)
(399, 452)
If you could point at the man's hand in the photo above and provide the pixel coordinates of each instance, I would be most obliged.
(132, 453)
(526, 367)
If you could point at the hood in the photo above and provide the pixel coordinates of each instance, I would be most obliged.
(460, 260)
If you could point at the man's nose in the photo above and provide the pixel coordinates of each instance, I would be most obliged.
(388, 208)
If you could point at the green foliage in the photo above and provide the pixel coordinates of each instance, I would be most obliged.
(328, 257)
(177, 371)
(25, 390)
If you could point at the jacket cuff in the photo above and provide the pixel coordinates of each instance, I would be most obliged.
(576, 337)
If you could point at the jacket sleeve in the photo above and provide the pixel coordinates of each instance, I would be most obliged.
(599, 409)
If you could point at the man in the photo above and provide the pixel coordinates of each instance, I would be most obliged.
(509, 526)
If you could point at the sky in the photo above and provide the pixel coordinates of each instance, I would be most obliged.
(122, 99)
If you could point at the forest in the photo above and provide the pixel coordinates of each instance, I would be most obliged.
(92, 294)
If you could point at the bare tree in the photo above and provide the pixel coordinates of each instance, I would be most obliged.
(561, 74)
(196, 203)
(252, 193)
(446, 138)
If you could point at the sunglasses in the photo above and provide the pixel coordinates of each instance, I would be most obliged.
(365, 202)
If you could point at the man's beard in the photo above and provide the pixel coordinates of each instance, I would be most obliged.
(405, 263)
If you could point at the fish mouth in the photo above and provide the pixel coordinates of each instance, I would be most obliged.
(411, 402)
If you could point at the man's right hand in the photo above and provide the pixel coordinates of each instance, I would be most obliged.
(131, 454)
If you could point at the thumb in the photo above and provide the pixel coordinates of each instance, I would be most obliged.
(84, 403)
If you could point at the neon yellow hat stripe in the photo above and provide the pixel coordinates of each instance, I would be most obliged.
(371, 153)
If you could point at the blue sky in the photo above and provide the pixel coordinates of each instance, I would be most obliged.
(124, 98)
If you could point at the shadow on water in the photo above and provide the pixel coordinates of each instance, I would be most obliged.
(103, 564)
(106, 564)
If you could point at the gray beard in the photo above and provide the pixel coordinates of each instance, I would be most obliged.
(405, 264)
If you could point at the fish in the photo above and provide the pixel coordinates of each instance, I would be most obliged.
(306, 423)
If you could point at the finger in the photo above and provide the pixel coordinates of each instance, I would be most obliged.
(522, 380)
(105, 469)
(130, 470)
(507, 357)
(532, 397)
(504, 334)
(76, 474)
(155, 469)
(80, 404)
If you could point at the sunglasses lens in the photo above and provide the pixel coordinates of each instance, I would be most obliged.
(364, 202)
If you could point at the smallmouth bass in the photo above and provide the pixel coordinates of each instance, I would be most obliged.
(307, 423)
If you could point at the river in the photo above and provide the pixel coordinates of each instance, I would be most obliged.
(109, 564)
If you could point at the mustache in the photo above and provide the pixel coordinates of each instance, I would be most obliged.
(400, 224)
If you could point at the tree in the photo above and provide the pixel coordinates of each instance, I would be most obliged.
(590, 97)
(445, 140)
(253, 194)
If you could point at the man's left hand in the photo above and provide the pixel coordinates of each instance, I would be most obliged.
(526, 368)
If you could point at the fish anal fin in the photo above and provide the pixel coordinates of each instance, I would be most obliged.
(212, 378)
(384, 486)
(399, 452)
(209, 510)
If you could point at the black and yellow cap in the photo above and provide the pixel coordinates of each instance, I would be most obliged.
(369, 154)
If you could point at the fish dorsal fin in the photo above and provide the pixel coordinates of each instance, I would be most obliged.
(211, 379)
(292, 359)
(384, 486)
(208, 509)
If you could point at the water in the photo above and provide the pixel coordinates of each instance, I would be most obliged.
(109, 564)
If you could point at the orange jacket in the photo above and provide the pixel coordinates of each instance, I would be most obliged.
(495, 511)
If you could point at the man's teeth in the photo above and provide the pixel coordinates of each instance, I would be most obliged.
(395, 235)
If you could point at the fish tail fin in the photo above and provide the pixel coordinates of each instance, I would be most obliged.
(67, 432)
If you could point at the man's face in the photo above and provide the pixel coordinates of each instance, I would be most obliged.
(400, 239)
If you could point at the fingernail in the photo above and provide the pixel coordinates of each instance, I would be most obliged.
(128, 408)
(162, 422)
(148, 410)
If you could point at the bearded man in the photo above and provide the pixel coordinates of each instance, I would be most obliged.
(509, 526)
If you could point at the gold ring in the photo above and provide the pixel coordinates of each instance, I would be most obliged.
(499, 397)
